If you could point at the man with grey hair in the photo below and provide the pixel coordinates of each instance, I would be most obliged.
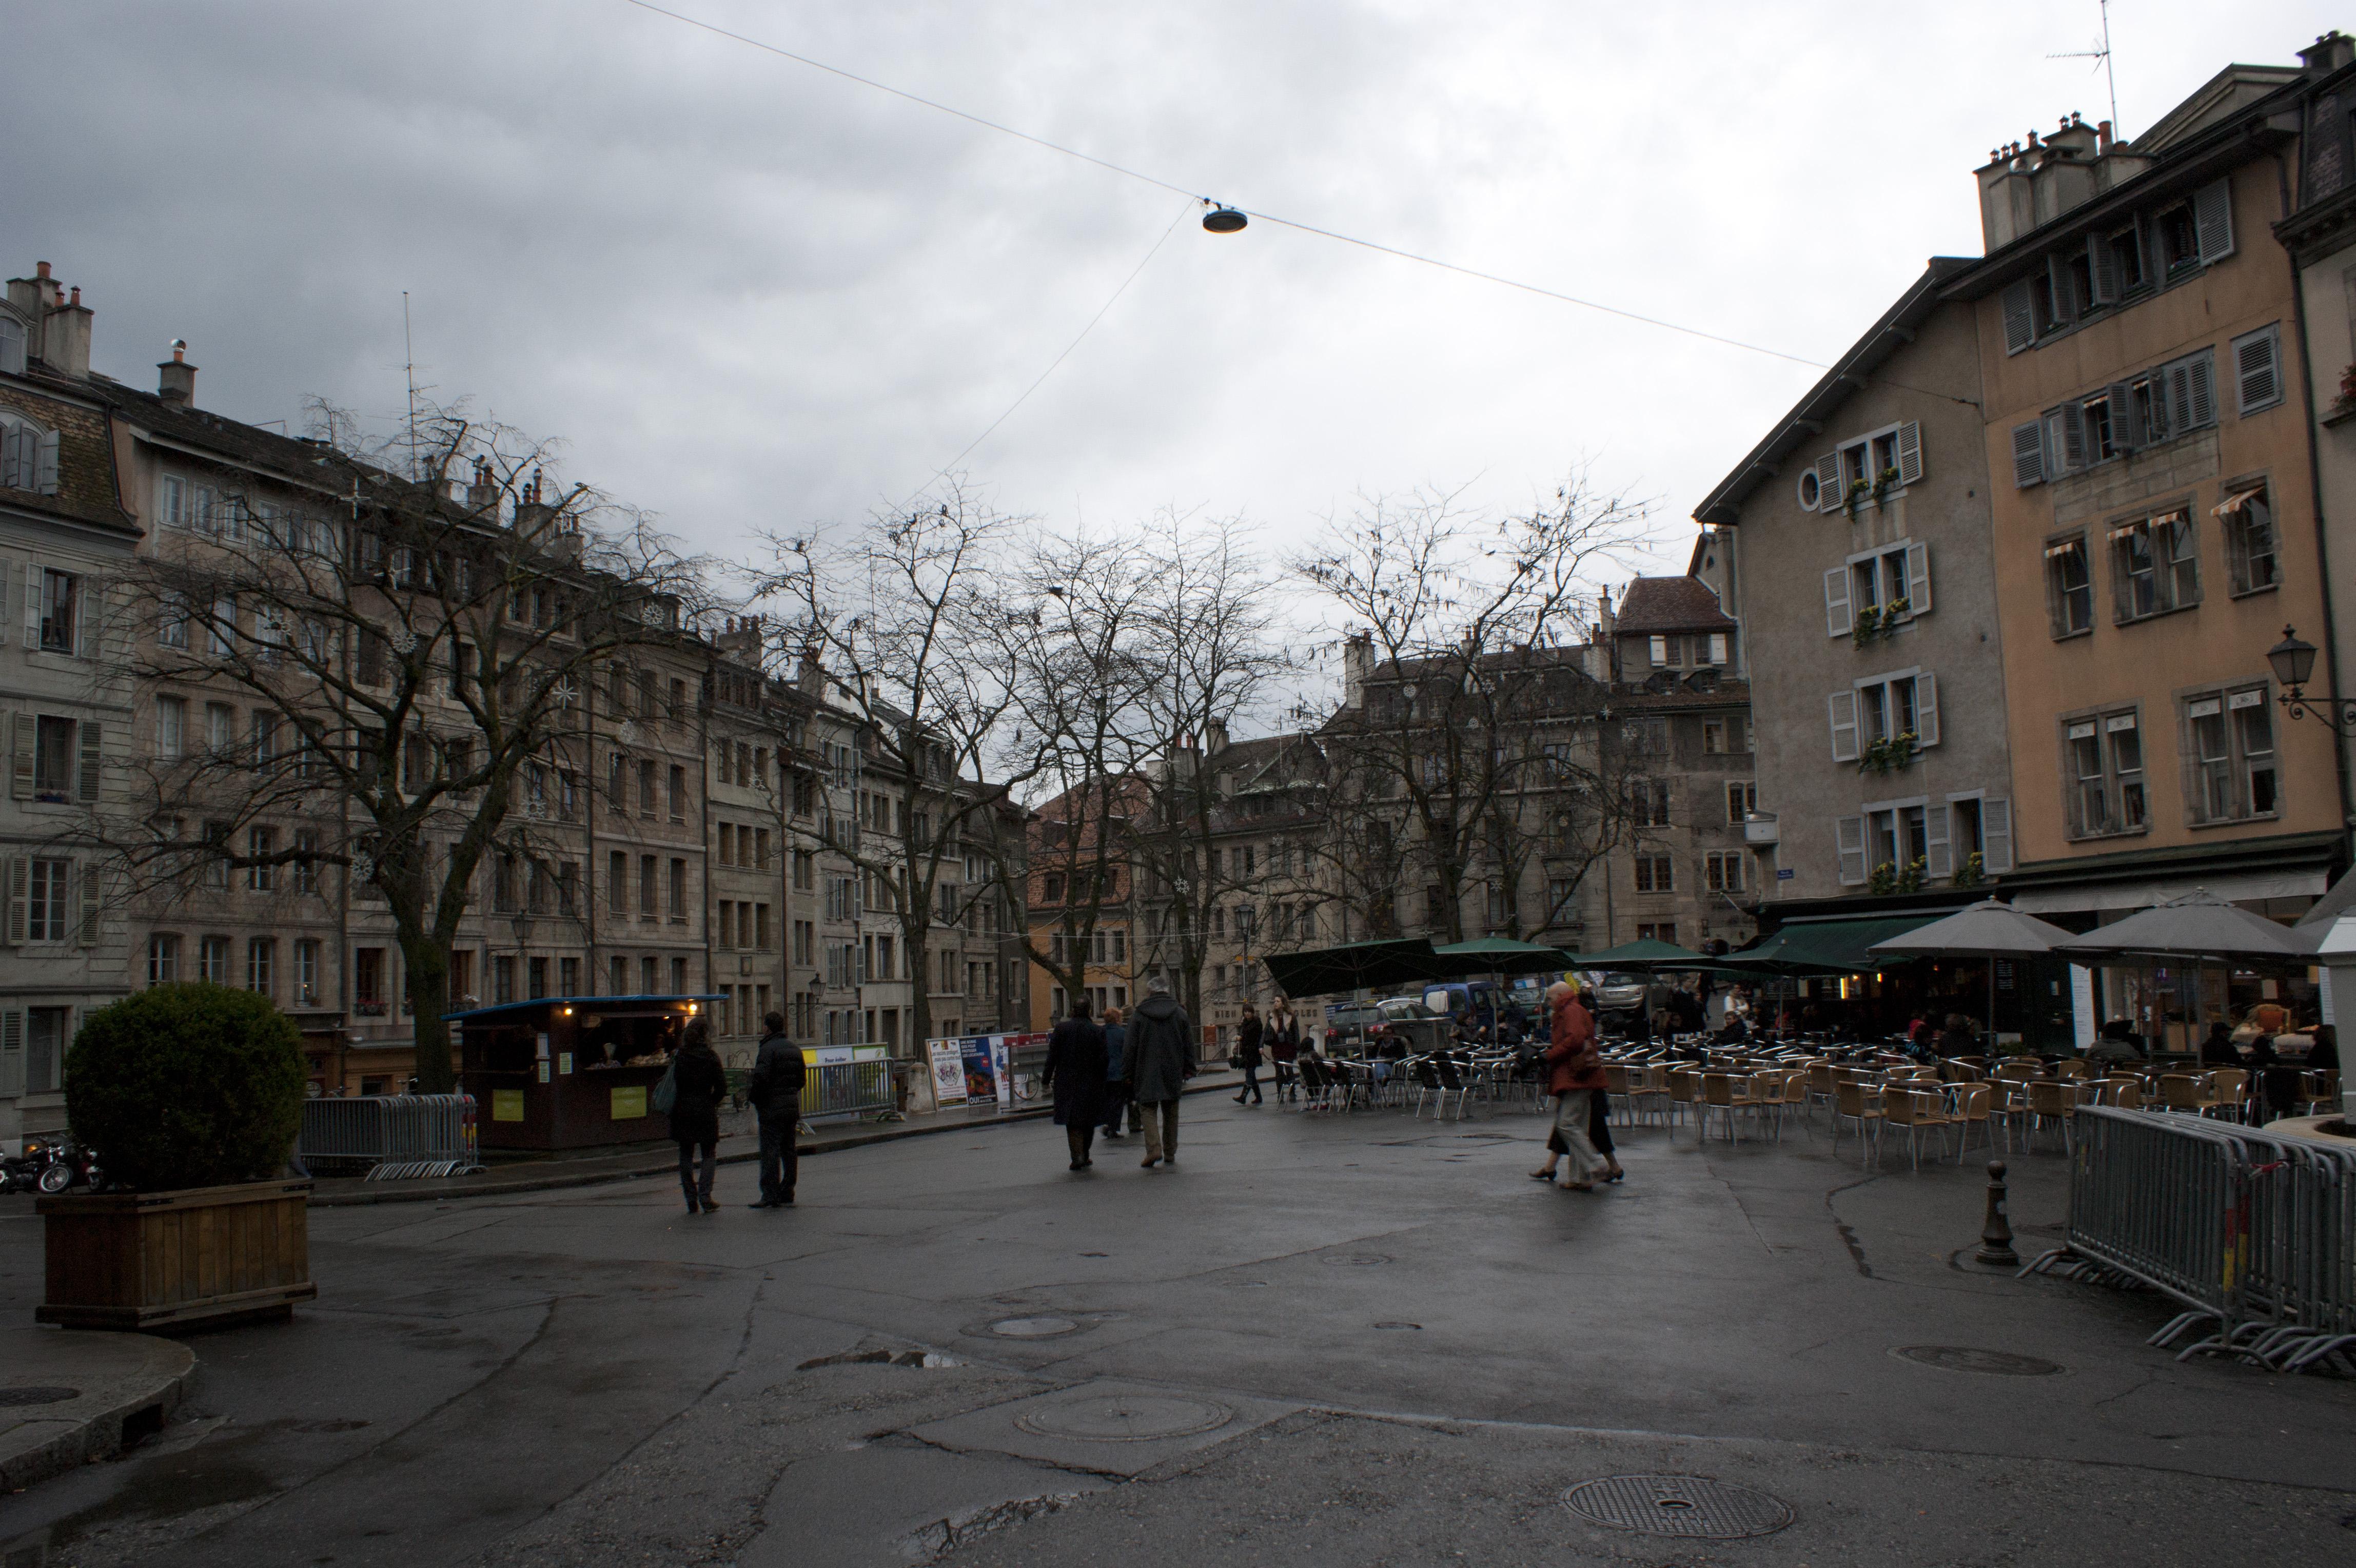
(1158, 1061)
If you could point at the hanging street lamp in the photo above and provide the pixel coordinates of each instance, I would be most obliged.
(2293, 662)
(1222, 219)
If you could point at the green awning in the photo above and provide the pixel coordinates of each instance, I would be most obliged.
(1321, 972)
(1643, 953)
(1499, 955)
(1830, 947)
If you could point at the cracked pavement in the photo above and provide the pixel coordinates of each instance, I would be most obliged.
(1349, 1340)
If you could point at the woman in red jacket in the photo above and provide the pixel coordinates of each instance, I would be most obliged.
(1574, 1071)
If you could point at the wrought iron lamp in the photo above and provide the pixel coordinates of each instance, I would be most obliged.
(2293, 662)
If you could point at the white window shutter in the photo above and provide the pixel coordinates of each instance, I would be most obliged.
(1842, 709)
(32, 605)
(2200, 403)
(1926, 710)
(1828, 482)
(2019, 317)
(1910, 452)
(2066, 297)
(2212, 221)
(12, 1052)
(2105, 268)
(20, 772)
(1996, 831)
(1939, 858)
(4, 590)
(20, 877)
(45, 464)
(1848, 836)
(2120, 398)
(93, 737)
(2028, 455)
(86, 930)
(1838, 621)
(1918, 579)
(2257, 371)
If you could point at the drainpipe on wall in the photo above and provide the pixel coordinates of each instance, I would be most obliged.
(2314, 491)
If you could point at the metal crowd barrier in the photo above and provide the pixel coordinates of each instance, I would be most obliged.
(848, 1088)
(2253, 1234)
(396, 1136)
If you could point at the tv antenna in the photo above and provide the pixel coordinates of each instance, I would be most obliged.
(409, 368)
(2100, 55)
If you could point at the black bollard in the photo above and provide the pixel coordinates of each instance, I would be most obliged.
(1996, 1236)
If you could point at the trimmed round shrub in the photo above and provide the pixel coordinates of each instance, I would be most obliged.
(186, 1085)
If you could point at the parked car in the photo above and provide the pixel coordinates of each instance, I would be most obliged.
(1617, 991)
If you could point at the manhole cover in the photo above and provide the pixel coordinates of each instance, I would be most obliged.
(1354, 1260)
(32, 1394)
(1691, 1505)
(1963, 1358)
(1126, 1418)
(1033, 1327)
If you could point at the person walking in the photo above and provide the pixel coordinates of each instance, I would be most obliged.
(1116, 1092)
(1159, 1060)
(1284, 1049)
(1075, 1072)
(1249, 1034)
(776, 1091)
(1574, 1072)
(698, 1085)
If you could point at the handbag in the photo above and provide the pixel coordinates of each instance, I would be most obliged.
(665, 1095)
(1235, 1059)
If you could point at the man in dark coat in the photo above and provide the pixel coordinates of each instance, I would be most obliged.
(776, 1091)
(1157, 1062)
(699, 1083)
(1075, 1072)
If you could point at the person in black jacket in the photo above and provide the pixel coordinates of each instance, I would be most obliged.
(1075, 1072)
(777, 1094)
(1247, 1052)
(698, 1085)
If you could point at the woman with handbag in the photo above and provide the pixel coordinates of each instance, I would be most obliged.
(1575, 1073)
(697, 1083)
(1284, 1047)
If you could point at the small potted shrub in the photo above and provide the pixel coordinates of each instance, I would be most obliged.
(191, 1096)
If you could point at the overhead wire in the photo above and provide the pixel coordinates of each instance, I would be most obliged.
(947, 467)
(1193, 196)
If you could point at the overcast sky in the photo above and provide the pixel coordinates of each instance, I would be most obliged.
(752, 295)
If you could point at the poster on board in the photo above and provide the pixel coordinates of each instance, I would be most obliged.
(980, 1084)
(1001, 1078)
(949, 1071)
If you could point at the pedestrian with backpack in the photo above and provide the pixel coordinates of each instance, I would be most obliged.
(1157, 1062)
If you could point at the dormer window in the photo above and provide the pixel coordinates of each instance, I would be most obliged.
(12, 345)
(28, 455)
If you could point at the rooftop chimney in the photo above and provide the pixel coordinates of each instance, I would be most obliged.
(176, 379)
(809, 674)
(483, 491)
(1357, 668)
(60, 335)
(2328, 53)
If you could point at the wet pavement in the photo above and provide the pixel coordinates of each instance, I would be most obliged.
(1348, 1340)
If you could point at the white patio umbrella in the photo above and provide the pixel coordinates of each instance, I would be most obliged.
(1990, 930)
(2196, 927)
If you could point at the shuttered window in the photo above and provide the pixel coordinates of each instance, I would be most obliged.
(1848, 837)
(2257, 358)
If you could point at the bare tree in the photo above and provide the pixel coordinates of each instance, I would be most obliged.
(1077, 632)
(907, 618)
(1467, 723)
(1214, 665)
(413, 657)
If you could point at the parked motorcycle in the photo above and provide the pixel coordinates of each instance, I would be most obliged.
(22, 1173)
(65, 1165)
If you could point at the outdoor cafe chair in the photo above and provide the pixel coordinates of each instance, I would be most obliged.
(2232, 1087)
(2071, 1067)
(2188, 1092)
(2050, 1102)
(2318, 1091)
(1820, 1085)
(2126, 1093)
(1729, 1094)
(1859, 1103)
(1976, 1107)
(1650, 1097)
(1684, 1092)
(1918, 1110)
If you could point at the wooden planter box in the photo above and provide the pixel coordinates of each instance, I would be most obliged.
(169, 1260)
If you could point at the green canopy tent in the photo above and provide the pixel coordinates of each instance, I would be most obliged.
(1642, 955)
(1376, 965)
(1500, 955)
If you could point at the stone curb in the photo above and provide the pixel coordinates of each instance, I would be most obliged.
(496, 1186)
(132, 1400)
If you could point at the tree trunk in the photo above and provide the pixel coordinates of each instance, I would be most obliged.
(427, 961)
